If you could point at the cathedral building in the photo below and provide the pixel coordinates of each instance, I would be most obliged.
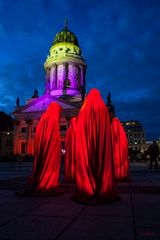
(65, 70)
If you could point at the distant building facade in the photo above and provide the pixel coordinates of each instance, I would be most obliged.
(6, 135)
(65, 70)
(135, 134)
(110, 106)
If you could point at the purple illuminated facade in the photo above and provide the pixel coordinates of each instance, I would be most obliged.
(65, 78)
(65, 67)
(65, 84)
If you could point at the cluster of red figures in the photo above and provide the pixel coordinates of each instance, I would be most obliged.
(96, 151)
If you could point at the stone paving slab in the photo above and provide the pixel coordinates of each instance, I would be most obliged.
(135, 217)
(61, 206)
(147, 210)
(121, 208)
(148, 233)
(99, 227)
(33, 228)
(17, 207)
(6, 196)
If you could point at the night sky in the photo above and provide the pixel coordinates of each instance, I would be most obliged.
(120, 41)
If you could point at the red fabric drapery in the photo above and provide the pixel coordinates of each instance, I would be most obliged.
(46, 167)
(120, 150)
(70, 147)
(94, 160)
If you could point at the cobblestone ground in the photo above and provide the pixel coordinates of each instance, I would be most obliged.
(136, 216)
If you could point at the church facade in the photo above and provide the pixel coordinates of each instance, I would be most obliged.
(65, 70)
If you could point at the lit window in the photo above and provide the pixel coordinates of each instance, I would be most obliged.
(128, 123)
(23, 148)
(34, 129)
(23, 129)
(63, 128)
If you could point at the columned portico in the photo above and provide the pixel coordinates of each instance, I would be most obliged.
(65, 65)
(65, 70)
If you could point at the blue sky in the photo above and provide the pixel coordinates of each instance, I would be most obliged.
(120, 41)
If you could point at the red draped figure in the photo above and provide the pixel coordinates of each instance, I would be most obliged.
(94, 160)
(70, 147)
(120, 150)
(46, 167)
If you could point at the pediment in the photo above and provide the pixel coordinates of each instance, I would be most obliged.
(41, 104)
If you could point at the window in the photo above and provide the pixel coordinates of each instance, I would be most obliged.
(11, 142)
(23, 129)
(23, 148)
(128, 123)
(63, 128)
(68, 50)
(67, 83)
(7, 142)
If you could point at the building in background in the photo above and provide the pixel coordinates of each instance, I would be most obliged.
(135, 134)
(110, 107)
(6, 136)
(65, 70)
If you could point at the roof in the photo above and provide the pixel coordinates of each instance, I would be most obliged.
(6, 122)
(39, 105)
(65, 35)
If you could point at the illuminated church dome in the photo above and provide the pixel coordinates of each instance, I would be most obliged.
(66, 36)
(65, 67)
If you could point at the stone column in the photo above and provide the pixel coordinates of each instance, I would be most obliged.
(29, 137)
(53, 77)
(84, 79)
(83, 83)
(78, 70)
(82, 75)
(69, 73)
(48, 80)
(16, 137)
(64, 74)
(74, 80)
(59, 76)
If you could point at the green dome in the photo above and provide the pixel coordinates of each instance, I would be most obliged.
(66, 36)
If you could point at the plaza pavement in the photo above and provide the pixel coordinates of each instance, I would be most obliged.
(135, 217)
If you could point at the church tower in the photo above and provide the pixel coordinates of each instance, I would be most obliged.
(65, 84)
(65, 67)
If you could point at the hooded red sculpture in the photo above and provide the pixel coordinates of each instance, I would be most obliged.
(120, 150)
(94, 161)
(70, 147)
(46, 167)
